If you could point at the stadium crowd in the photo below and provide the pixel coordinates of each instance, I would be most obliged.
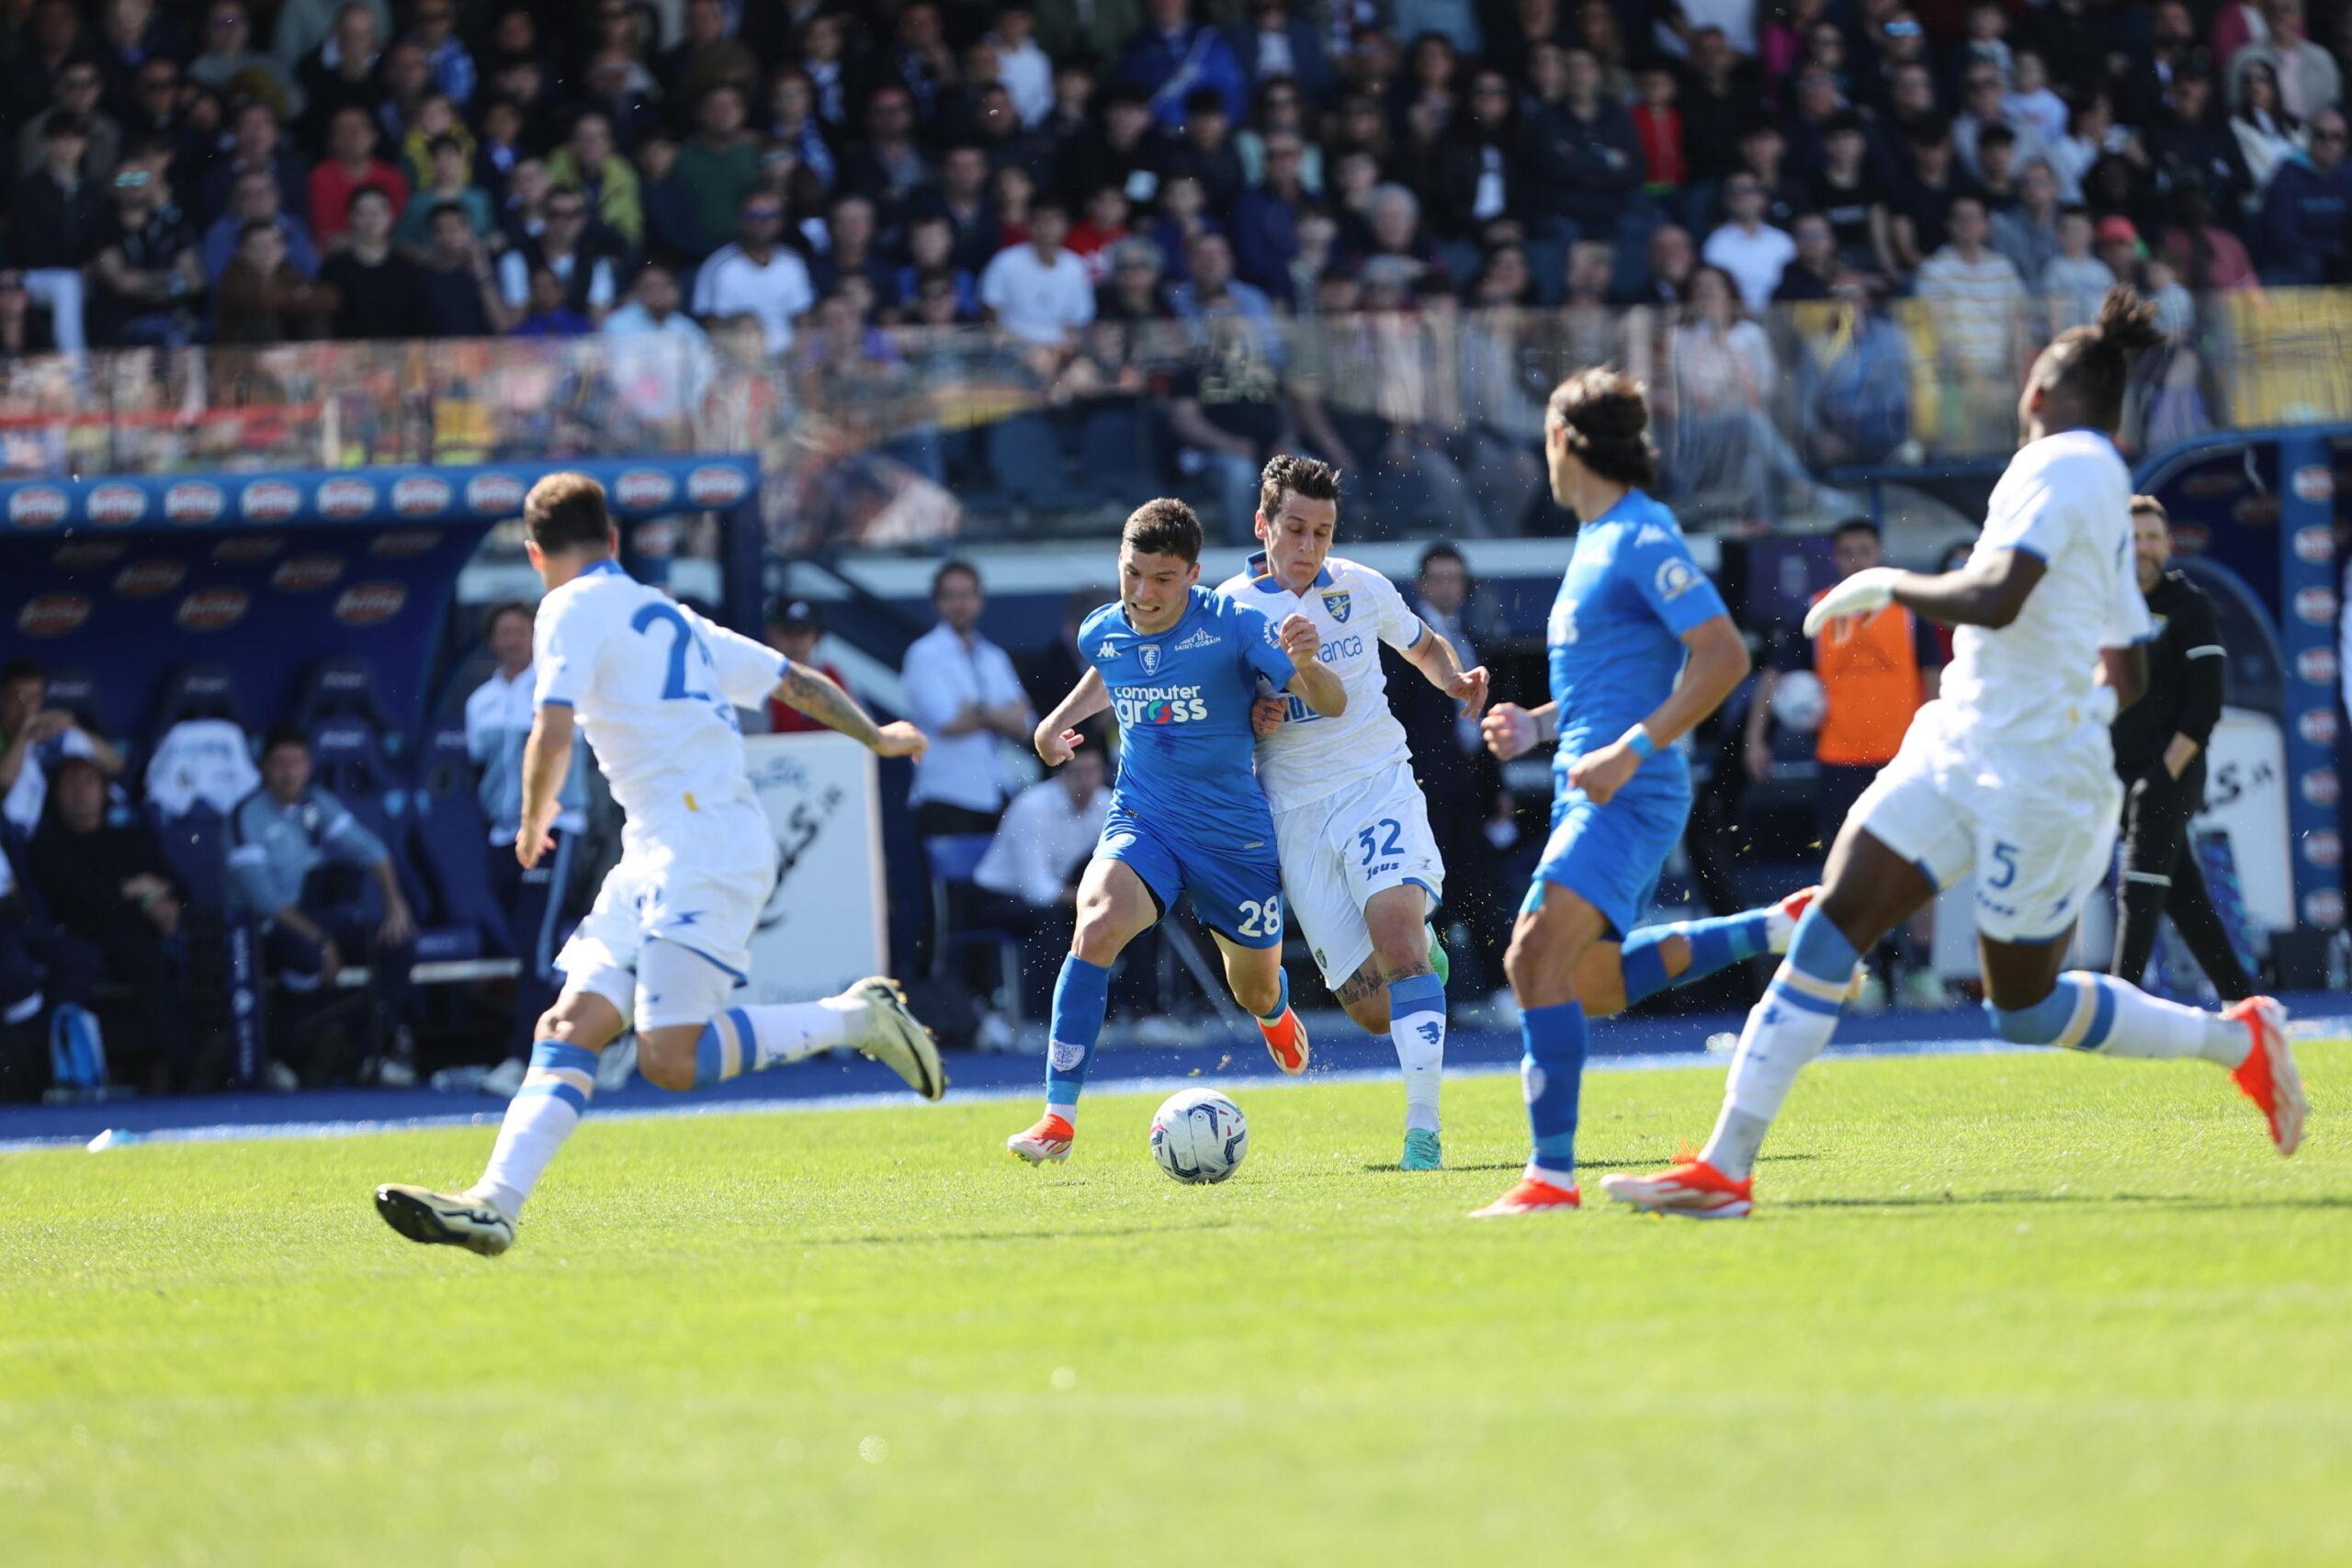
(1147, 200)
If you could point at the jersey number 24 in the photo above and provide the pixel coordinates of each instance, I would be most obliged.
(678, 686)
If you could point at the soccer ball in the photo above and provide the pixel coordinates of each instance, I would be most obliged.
(1799, 701)
(1198, 1135)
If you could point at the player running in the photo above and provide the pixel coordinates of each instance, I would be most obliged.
(1179, 667)
(1641, 649)
(2008, 772)
(1359, 865)
(654, 687)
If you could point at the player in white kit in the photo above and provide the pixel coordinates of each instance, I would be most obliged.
(1359, 865)
(2009, 773)
(654, 687)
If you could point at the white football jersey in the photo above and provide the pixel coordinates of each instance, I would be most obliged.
(655, 688)
(2067, 499)
(1354, 610)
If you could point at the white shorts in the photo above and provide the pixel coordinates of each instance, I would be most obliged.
(696, 880)
(2036, 823)
(1337, 851)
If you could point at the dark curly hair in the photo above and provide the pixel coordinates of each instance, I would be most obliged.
(1606, 414)
(1289, 474)
(2089, 365)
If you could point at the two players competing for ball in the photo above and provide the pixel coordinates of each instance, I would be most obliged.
(654, 687)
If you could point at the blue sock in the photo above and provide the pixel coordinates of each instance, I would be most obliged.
(1553, 1076)
(1082, 996)
(1714, 945)
(1281, 1000)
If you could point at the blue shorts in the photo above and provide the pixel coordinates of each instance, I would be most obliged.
(1237, 893)
(1611, 855)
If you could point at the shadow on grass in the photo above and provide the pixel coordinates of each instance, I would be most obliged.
(2181, 1201)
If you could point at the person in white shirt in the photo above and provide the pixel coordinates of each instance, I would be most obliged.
(662, 364)
(1025, 69)
(1028, 879)
(654, 689)
(498, 724)
(2009, 773)
(964, 695)
(1361, 868)
(33, 736)
(756, 276)
(1752, 249)
(1039, 292)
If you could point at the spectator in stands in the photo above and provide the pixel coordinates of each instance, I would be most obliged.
(282, 836)
(1814, 271)
(159, 111)
(890, 167)
(34, 739)
(588, 163)
(429, 119)
(1723, 375)
(1583, 158)
(498, 721)
(148, 275)
(2307, 212)
(2266, 134)
(1921, 202)
(1751, 251)
(718, 167)
(41, 970)
(1667, 278)
(461, 297)
(586, 271)
(262, 298)
(1854, 383)
(1103, 225)
(232, 64)
(2091, 134)
(2206, 257)
(2026, 233)
(1847, 192)
(351, 163)
(1983, 99)
(2309, 79)
(1474, 176)
(51, 40)
(1976, 302)
(795, 626)
(1028, 878)
(449, 183)
(661, 361)
(73, 94)
(109, 887)
(255, 199)
(22, 331)
(2075, 281)
(2189, 140)
(1039, 293)
(381, 292)
(1266, 219)
(256, 144)
(1718, 96)
(547, 310)
(1172, 54)
(130, 33)
(852, 250)
(59, 225)
(961, 690)
(1658, 126)
(339, 70)
(453, 66)
(757, 276)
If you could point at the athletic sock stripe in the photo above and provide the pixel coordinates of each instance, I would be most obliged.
(556, 1054)
(2103, 1017)
(585, 1082)
(570, 1094)
(1810, 996)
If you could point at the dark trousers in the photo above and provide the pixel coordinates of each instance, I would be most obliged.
(300, 966)
(158, 1011)
(536, 902)
(1838, 788)
(2161, 877)
(1473, 891)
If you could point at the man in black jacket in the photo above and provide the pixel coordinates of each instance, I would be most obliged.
(2160, 755)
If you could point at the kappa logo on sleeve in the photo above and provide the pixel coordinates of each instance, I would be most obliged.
(1676, 577)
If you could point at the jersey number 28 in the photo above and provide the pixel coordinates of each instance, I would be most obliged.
(1262, 919)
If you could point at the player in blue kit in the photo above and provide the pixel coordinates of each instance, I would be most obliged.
(1641, 649)
(1177, 666)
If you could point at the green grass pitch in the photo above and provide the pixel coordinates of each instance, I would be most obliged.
(2008, 1309)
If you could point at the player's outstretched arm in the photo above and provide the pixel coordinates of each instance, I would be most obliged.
(1718, 663)
(1057, 737)
(1511, 731)
(1311, 683)
(1987, 592)
(1442, 667)
(817, 695)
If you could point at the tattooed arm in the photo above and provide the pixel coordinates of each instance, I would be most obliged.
(815, 694)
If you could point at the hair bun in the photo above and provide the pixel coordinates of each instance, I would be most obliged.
(2127, 321)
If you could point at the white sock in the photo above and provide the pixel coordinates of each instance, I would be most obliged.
(1784, 1031)
(2150, 1029)
(539, 1119)
(789, 1032)
(1417, 1028)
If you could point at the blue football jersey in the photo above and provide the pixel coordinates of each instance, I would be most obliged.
(1631, 592)
(1182, 699)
